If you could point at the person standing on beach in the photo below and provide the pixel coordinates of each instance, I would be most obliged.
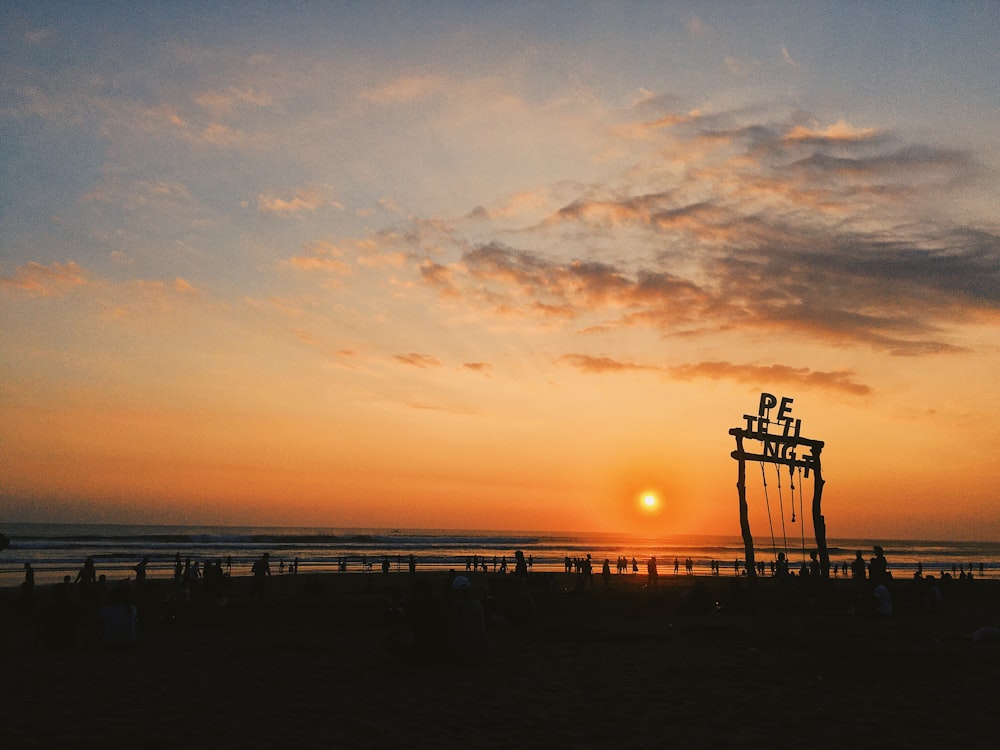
(140, 574)
(520, 565)
(87, 578)
(28, 587)
(878, 567)
(652, 574)
(858, 568)
(261, 571)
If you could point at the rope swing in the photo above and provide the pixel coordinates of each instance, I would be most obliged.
(767, 502)
(781, 507)
(802, 525)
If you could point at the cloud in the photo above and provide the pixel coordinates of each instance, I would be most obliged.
(599, 365)
(696, 27)
(742, 68)
(787, 57)
(37, 36)
(45, 281)
(305, 200)
(417, 360)
(772, 374)
(838, 132)
(404, 89)
(318, 263)
(225, 102)
(482, 367)
(758, 375)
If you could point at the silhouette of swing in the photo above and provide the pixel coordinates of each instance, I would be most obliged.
(780, 448)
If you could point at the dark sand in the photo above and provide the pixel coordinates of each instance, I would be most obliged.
(612, 667)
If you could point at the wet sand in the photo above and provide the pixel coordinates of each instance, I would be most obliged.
(616, 666)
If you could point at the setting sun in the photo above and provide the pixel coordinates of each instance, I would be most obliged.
(649, 501)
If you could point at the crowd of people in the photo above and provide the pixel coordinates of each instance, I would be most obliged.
(87, 608)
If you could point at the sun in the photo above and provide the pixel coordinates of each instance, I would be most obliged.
(649, 501)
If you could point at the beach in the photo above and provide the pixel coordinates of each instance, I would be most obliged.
(696, 661)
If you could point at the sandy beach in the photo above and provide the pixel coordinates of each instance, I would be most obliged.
(695, 662)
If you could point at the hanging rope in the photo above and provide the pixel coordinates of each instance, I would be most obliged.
(802, 525)
(767, 502)
(801, 512)
(781, 507)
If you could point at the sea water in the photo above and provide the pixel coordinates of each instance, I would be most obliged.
(56, 550)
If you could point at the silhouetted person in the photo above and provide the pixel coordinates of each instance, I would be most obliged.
(117, 620)
(421, 639)
(56, 626)
(86, 578)
(465, 621)
(586, 572)
(878, 568)
(520, 565)
(883, 600)
(652, 574)
(606, 570)
(140, 574)
(28, 587)
(781, 567)
(261, 571)
(858, 567)
(814, 568)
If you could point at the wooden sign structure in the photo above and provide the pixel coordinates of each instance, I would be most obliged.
(779, 442)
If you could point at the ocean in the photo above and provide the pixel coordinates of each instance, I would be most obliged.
(56, 550)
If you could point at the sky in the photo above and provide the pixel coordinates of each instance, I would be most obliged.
(514, 266)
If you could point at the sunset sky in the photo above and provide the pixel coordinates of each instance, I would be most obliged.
(498, 266)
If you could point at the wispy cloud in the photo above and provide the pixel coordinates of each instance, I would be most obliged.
(404, 89)
(45, 280)
(415, 359)
(777, 374)
(305, 200)
(787, 57)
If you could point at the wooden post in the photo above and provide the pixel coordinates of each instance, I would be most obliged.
(741, 486)
(819, 522)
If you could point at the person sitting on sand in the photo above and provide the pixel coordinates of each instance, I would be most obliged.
(465, 618)
(883, 600)
(781, 568)
(117, 620)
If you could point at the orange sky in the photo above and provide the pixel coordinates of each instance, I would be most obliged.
(496, 272)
